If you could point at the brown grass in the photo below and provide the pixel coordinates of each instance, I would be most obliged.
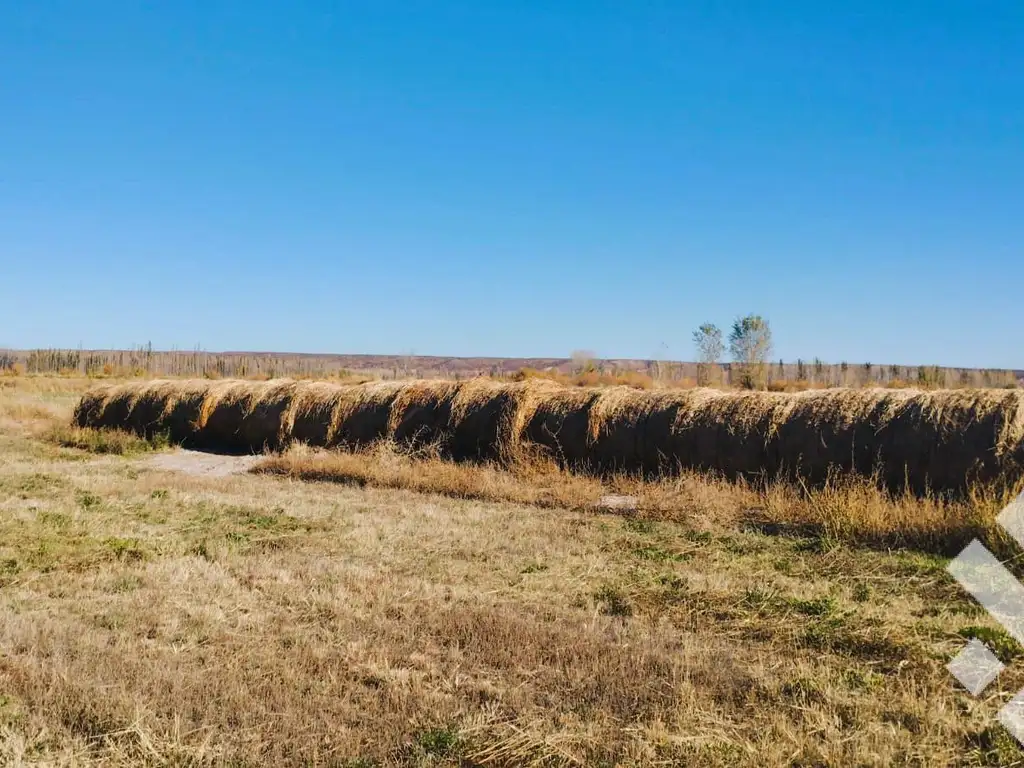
(851, 510)
(384, 465)
(154, 618)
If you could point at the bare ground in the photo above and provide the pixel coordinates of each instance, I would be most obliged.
(200, 464)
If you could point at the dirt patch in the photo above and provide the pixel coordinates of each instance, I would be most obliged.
(201, 464)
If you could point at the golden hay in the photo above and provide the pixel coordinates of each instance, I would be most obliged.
(313, 416)
(184, 410)
(480, 421)
(556, 419)
(90, 409)
(941, 440)
(838, 429)
(364, 413)
(420, 413)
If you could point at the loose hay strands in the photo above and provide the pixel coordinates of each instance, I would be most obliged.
(921, 441)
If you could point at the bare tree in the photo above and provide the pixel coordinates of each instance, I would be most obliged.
(708, 340)
(750, 343)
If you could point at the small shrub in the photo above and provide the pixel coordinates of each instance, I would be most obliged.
(821, 606)
(439, 742)
(613, 602)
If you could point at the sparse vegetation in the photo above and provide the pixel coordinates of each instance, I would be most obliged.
(846, 510)
(157, 618)
(583, 369)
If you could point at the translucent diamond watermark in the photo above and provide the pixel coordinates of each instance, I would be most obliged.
(975, 667)
(1012, 716)
(989, 582)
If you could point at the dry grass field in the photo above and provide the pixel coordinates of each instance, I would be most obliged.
(377, 609)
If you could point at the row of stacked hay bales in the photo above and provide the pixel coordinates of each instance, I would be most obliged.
(938, 440)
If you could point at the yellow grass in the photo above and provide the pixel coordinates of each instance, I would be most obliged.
(844, 509)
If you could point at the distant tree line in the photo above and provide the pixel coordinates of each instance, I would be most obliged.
(145, 361)
(750, 347)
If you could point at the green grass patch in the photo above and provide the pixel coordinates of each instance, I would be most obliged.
(998, 641)
(439, 742)
(104, 441)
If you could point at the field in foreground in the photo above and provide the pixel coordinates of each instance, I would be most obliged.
(153, 617)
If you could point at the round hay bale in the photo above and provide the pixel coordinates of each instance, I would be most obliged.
(556, 419)
(313, 417)
(364, 413)
(245, 417)
(618, 440)
(264, 424)
(420, 413)
(945, 440)
(836, 430)
(89, 411)
(116, 407)
(481, 419)
(734, 434)
(223, 410)
(183, 411)
(148, 406)
(672, 442)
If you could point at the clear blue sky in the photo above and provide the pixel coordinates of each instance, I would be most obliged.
(514, 178)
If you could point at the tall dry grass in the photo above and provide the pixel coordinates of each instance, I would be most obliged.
(844, 509)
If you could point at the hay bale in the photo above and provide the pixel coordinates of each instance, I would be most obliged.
(220, 416)
(265, 425)
(734, 434)
(670, 443)
(944, 440)
(617, 434)
(116, 407)
(364, 413)
(89, 411)
(148, 407)
(244, 417)
(420, 413)
(837, 430)
(184, 412)
(313, 417)
(481, 420)
(556, 419)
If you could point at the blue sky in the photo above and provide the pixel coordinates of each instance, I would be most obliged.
(514, 178)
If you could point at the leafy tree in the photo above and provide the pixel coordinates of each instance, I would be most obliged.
(750, 343)
(708, 340)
